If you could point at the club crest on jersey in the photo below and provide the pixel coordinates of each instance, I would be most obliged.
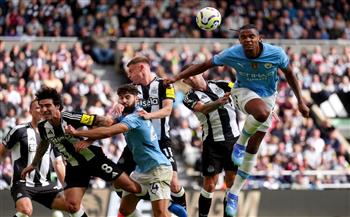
(268, 65)
(254, 65)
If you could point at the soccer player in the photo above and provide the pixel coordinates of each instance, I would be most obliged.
(156, 101)
(22, 140)
(81, 165)
(254, 93)
(153, 169)
(213, 105)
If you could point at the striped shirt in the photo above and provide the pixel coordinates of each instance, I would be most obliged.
(151, 99)
(220, 124)
(65, 142)
(23, 141)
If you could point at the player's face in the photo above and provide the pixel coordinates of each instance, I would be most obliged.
(249, 38)
(135, 73)
(35, 110)
(48, 109)
(127, 100)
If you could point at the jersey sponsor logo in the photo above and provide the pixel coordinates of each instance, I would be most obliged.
(87, 119)
(144, 103)
(268, 65)
(170, 93)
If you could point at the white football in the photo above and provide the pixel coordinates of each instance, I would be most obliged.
(208, 18)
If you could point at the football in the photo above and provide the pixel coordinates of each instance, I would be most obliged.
(208, 18)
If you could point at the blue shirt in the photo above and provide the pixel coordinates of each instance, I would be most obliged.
(143, 143)
(260, 74)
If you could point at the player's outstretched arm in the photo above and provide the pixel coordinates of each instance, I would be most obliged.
(40, 151)
(293, 83)
(209, 107)
(194, 69)
(98, 133)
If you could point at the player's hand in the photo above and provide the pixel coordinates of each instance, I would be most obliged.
(117, 109)
(145, 115)
(70, 130)
(303, 109)
(26, 170)
(168, 81)
(225, 99)
(82, 145)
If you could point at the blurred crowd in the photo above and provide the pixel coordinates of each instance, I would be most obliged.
(309, 19)
(292, 144)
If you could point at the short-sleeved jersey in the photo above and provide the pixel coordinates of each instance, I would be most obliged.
(260, 74)
(220, 124)
(65, 142)
(22, 140)
(151, 99)
(143, 143)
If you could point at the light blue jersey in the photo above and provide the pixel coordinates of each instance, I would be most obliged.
(143, 143)
(260, 74)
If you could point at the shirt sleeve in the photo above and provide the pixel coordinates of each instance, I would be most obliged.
(284, 59)
(190, 100)
(222, 58)
(225, 85)
(11, 138)
(167, 92)
(78, 119)
(132, 121)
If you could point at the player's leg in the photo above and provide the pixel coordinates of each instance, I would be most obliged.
(206, 194)
(59, 203)
(73, 197)
(160, 208)
(128, 205)
(178, 194)
(243, 172)
(24, 207)
(229, 179)
(124, 182)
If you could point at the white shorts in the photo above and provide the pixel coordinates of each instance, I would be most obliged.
(242, 96)
(156, 181)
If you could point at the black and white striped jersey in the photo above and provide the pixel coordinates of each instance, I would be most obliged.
(23, 141)
(151, 99)
(220, 124)
(65, 142)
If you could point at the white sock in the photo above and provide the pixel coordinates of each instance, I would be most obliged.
(250, 127)
(206, 194)
(79, 213)
(243, 172)
(178, 194)
(19, 214)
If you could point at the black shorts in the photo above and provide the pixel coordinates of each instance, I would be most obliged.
(166, 147)
(216, 156)
(127, 164)
(99, 166)
(43, 195)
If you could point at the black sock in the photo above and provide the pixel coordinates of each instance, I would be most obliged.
(179, 198)
(203, 206)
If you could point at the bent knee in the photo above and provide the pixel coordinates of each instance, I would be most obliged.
(262, 115)
(73, 207)
(28, 211)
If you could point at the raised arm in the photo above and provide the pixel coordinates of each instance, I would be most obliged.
(293, 83)
(161, 113)
(99, 132)
(190, 71)
(209, 107)
(102, 121)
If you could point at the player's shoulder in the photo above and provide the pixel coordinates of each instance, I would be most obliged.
(272, 49)
(19, 128)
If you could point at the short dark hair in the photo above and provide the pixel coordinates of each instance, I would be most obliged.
(247, 26)
(50, 93)
(32, 102)
(138, 59)
(128, 88)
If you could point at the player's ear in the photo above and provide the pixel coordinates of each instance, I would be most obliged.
(260, 38)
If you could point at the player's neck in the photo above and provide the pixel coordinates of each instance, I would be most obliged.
(56, 119)
(253, 54)
(148, 79)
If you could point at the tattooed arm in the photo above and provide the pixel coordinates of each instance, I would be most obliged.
(102, 121)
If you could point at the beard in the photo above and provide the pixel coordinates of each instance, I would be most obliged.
(129, 109)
